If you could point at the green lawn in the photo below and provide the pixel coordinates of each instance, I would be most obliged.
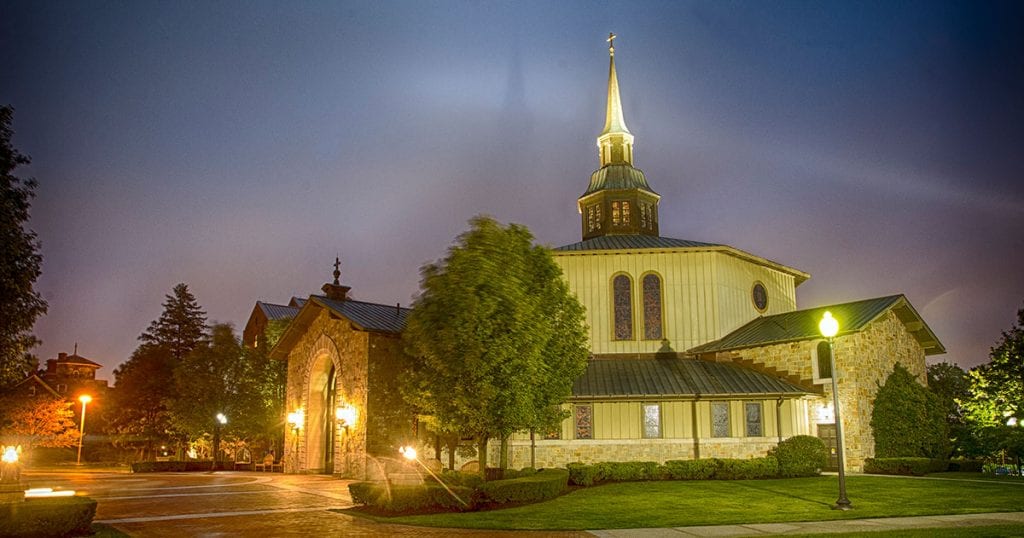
(684, 503)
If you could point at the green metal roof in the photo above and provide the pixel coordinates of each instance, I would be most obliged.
(618, 177)
(803, 325)
(631, 242)
(673, 377)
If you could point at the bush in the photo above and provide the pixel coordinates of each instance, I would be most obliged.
(409, 498)
(162, 467)
(900, 466)
(749, 469)
(582, 474)
(546, 484)
(965, 465)
(690, 469)
(628, 471)
(54, 516)
(459, 478)
(800, 455)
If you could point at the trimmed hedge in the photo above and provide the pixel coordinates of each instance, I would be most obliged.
(53, 516)
(691, 469)
(460, 478)
(175, 466)
(582, 474)
(801, 455)
(409, 498)
(904, 466)
(541, 486)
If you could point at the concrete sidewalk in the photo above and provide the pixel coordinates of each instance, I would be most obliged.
(823, 527)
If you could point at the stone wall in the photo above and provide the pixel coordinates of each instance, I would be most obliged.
(346, 348)
(557, 453)
(863, 360)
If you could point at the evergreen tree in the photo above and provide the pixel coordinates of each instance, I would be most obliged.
(498, 338)
(20, 261)
(181, 326)
(951, 385)
(908, 420)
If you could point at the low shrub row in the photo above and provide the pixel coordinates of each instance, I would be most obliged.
(536, 487)
(173, 466)
(966, 465)
(582, 474)
(388, 498)
(905, 466)
(54, 516)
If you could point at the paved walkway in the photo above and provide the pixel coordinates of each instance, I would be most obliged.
(827, 527)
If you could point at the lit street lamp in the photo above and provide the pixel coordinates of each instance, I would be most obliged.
(220, 421)
(829, 326)
(85, 398)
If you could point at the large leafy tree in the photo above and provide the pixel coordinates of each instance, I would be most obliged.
(208, 381)
(497, 336)
(951, 385)
(908, 420)
(142, 391)
(995, 409)
(144, 384)
(20, 304)
(42, 421)
(181, 326)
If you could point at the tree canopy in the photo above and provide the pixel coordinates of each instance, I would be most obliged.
(40, 421)
(496, 336)
(995, 408)
(908, 420)
(181, 326)
(20, 262)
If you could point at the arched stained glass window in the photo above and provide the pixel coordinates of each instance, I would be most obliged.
(824, 360)
(622, 300)
(652, 307)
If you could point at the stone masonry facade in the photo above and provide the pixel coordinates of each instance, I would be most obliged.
(863, 360)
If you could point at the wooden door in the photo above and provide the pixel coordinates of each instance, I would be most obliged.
(827, 433)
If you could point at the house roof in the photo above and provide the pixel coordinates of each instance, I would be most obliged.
(77, 359)
(674, 377)
(625, 243)
(277, 311)
(364, 316)
(803, 325)
(38, 381)
(368, 316)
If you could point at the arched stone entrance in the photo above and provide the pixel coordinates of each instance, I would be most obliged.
(321, 401)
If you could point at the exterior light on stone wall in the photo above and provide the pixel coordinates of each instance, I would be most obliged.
(347, 415)
(296, 419)
(829, 327)
(409, 452)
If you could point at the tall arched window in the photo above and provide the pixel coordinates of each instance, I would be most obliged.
(652, 307)
(824, 360)
(622, 302)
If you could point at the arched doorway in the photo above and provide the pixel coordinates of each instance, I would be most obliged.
(321, 429)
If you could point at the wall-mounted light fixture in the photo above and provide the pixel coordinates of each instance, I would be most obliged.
(296, 419)
(347, 415)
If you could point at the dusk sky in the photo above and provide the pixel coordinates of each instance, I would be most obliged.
(239, 146)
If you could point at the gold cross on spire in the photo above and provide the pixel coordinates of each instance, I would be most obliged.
(611, 41)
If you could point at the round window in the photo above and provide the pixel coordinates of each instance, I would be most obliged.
(760, 296)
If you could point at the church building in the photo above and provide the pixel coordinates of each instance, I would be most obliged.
(697, 349)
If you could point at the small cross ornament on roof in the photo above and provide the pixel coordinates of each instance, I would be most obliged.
(611, 41)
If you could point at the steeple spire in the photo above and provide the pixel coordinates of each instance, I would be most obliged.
(615, 141)
(618, 201)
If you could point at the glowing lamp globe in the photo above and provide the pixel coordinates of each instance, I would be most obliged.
(828, 325)
(85, 398)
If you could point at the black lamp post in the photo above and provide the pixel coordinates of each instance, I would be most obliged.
(829, 327)
(220, 421)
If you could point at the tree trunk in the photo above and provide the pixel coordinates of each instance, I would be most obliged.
(453, 445)
(533, 449)
(482, 448)
(503, 457)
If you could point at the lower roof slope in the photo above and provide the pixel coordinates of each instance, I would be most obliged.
(803, 325)
(674, 377)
